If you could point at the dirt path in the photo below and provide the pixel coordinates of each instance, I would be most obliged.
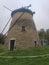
(3, 53)
(25, 56)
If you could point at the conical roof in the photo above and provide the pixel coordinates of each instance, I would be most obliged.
(22, 10)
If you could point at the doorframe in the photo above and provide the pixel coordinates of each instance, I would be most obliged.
(9, 43)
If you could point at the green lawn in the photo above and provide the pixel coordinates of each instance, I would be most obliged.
(24, 61)
(36, 51)
(1, 49)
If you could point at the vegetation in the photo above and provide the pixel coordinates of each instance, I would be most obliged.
(1, 38)
(24, 61)
(35, 51)
(44, 35)
(2, 49)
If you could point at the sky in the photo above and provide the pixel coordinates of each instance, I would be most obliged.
(41, 8)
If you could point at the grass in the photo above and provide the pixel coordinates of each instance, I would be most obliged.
(1, 49)
(24, 61)
(36, 51)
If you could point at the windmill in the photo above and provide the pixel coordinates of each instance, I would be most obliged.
(22, 33)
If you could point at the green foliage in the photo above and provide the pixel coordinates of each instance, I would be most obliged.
(47, 35)
(24, 61)
(1, 49)
(44, 35)
(37, 51)
(1, 39)
(41, 33)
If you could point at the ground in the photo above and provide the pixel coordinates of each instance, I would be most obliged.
(37, 56)
(24, 61)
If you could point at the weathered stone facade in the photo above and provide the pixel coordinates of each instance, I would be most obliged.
(23, 39)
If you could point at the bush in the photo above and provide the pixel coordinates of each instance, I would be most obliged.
(1, 38)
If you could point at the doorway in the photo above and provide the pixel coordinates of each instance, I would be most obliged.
(12, 42)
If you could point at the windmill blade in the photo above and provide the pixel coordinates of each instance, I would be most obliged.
(16, 21)
(6, 25)
(5, 28)
(7, 8)
(13, 25)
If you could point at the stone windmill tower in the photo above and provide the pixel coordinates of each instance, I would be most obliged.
(23, 34)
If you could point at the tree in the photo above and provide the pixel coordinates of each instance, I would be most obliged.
(1, 38)
(47, 35)
(44, 35)
(41, 33)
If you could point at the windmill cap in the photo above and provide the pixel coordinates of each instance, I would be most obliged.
(22, 10)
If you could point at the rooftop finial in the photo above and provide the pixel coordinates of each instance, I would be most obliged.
(27, 6)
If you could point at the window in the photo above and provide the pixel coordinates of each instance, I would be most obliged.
(23, 28)
(35, 43)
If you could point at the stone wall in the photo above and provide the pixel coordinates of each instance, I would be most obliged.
(24, 40)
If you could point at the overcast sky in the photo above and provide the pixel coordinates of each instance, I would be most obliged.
(41, 8)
